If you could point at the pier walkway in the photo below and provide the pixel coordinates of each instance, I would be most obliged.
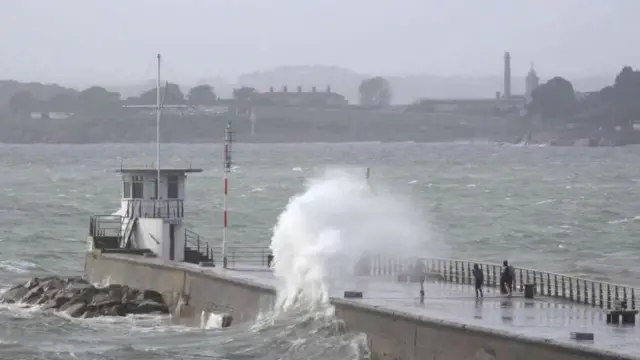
(538, 318)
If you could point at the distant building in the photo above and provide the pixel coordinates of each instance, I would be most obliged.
(532, 81)
(54, 115)
(301, 98)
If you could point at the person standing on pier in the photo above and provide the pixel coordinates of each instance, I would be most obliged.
(507, 277)
(478, 276)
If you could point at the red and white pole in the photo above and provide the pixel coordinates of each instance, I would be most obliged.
(227, 169)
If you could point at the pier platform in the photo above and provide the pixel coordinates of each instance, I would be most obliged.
(543, 318)
(450, 321)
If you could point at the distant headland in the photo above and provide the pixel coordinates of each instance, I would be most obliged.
(550, 112)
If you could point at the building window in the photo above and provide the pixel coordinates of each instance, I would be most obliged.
(126, 191)
(137, 187)
(154, 186)
(172, 187)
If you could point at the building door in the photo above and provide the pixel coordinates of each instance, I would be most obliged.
(172, 242)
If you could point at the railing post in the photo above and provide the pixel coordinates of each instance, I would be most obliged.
(608, 296)
(444, 272)
(198, 242)
(555, 284)
(624, 297)
(548, 284)
(578, 290)
(450, 271)
(633, 298)
(571, 289)
(564, 290)
(541, 278)
(585, 296)
(601, 295)
(533, 280)
(493, 269)
(593, 294)
(521, 280)
(457, 273)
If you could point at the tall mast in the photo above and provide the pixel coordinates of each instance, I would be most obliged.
(227, 168)
(158, 106)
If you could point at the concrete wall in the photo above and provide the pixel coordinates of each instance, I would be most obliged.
(391, 335)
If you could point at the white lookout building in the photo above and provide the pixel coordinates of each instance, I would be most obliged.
(150, 219)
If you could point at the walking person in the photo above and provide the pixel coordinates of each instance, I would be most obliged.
(478, 276)
(508, 276)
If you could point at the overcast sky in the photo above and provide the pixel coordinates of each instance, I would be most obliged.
(115, 41)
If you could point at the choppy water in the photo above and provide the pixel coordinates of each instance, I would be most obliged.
(570, 210)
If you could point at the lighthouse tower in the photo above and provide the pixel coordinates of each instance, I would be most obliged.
(531, 82)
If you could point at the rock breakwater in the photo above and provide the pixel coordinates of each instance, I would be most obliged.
(78, 298)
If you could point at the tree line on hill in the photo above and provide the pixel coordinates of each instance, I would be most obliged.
(374, 92)
(97, 99)
(555, 102)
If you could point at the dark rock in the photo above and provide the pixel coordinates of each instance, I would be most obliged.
(33, 295)
(78, 298)
(14, 294)
(149, 306)
(152, 295)
(76, 310)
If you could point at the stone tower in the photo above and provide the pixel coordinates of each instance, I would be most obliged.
(507, 76)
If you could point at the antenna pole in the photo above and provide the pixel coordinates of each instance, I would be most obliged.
(227, 168)
(158, 106)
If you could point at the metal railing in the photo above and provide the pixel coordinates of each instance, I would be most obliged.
(237, 256)
(166, 208)
(244, 255)
(568, 288)
(589, 292)
(105, 226)
(193, 241)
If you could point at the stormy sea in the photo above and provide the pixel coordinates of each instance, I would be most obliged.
(569, 210)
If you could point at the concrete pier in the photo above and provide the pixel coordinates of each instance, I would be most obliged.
(449, 324)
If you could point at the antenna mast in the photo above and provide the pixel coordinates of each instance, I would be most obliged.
(158, 106)
(228, 139)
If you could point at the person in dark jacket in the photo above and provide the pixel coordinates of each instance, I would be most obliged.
(506, 278)
(478, 278)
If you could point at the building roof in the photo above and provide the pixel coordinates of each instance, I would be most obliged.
(167, 171)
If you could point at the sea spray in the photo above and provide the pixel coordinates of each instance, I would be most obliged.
(324, 231)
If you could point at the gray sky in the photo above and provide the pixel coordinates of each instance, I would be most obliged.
(115, 41)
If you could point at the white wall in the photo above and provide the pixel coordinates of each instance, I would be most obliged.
(150, 230)
(146, 231)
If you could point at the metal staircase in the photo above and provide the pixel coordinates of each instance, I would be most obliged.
(196, 250)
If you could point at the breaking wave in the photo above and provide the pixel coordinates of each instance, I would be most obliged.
(317, 242)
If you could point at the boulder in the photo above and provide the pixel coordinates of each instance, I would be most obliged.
(79, 298)
(14, 294)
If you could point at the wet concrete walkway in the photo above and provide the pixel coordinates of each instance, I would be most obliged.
(540, 318)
